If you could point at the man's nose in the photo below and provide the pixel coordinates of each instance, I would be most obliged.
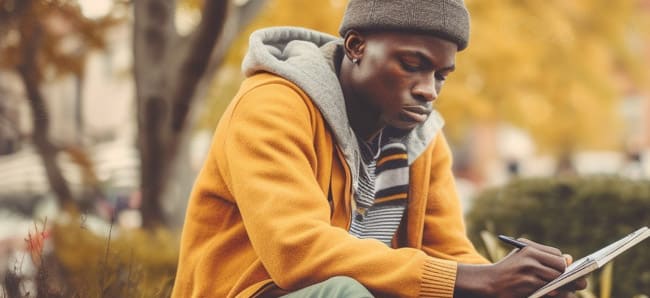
(425, 90)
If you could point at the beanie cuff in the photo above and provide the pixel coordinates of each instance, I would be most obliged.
(447, 19)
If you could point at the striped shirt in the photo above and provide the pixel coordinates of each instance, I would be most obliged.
(378, 220)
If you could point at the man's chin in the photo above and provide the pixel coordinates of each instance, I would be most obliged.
(400, 129)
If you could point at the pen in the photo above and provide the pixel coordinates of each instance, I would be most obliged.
(512, 241)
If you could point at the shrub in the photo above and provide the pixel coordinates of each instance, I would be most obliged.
(578, 215)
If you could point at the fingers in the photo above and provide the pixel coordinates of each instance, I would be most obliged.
(563, 295)
(576, 285)
(553, 261)
(545, 248)
(554, 258)
(546, 273)
(569, 290)
(535, 265)
(568, 258)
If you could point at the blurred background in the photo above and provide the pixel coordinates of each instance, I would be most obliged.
(107, 109)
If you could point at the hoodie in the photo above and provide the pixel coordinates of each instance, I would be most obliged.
(306, 58)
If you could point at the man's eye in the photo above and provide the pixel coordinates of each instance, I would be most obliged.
(411, 67)
(440, 76)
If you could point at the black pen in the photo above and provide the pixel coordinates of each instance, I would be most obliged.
(512, 241)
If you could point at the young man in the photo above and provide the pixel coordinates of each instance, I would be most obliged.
(329, 175)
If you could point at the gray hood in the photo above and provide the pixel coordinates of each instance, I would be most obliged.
(306, 58)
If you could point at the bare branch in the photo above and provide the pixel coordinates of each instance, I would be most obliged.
(203, 41)
(40, 120)
(237, 21)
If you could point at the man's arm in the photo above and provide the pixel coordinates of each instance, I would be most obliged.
(517, 275)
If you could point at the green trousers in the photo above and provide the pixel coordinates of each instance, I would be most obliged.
(335, 287)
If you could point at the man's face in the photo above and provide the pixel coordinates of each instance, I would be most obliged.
(399, 75)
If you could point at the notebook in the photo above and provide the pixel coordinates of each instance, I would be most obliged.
(594, 261)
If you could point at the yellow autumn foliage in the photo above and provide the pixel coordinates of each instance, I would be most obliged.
(549, 67)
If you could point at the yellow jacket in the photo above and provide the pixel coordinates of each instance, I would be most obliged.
(259, 218)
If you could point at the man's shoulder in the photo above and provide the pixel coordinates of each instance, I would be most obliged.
(267, 88)
(268, 79)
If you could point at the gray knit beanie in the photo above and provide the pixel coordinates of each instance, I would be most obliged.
(447, 19)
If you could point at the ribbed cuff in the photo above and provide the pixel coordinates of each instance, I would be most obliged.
(438, 278)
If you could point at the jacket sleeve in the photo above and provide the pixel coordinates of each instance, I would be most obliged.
(269, 168)
(444, 228)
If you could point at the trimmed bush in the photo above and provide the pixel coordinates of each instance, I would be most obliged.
(578, 215)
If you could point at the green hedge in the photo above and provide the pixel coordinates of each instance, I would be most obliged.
(577, 215)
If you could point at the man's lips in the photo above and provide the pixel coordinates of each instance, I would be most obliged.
(416, 113)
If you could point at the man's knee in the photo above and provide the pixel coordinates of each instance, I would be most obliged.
(345, 286)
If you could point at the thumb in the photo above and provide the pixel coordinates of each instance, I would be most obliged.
(568, 259)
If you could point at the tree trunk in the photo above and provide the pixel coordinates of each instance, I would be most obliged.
(167, 70)
(40, 119)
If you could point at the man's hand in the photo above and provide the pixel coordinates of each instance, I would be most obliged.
(519, 274)
(568, 291)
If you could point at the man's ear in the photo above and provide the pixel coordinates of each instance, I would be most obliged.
(354, 44)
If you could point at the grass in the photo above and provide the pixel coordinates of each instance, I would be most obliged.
(72, 261)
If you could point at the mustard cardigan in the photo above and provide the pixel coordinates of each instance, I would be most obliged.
(259, 218)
